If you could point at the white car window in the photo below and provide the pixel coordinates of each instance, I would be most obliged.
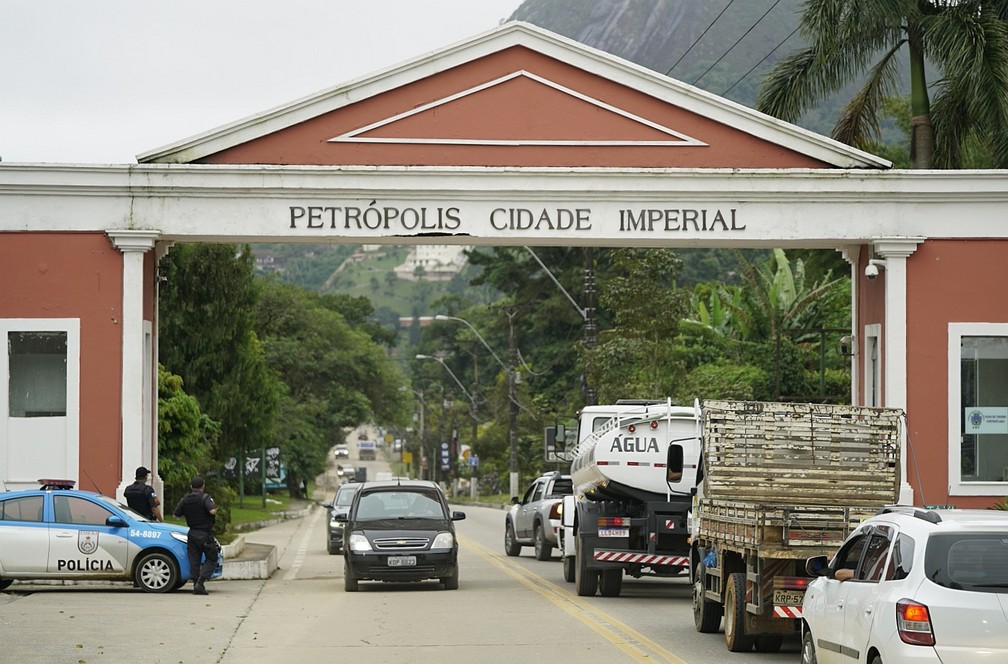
(71, 509)
(968, 561)
(28, 508)
(873, 561)
(901, 560)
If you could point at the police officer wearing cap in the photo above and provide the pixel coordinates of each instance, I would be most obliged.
(142, 498)
(199, 511)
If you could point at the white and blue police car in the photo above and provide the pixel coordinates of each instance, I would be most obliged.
(57, 532)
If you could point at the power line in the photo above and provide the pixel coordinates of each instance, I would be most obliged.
(759, 63)
(730, 2)
(737, 41)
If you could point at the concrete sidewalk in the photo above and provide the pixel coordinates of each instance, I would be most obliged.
(252, 555)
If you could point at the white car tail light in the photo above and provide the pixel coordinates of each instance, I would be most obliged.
(913, 621)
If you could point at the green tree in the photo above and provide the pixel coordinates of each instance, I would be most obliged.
(333, 374)
(206, 337)
(186, 437)
(636, 358)
(966, 39)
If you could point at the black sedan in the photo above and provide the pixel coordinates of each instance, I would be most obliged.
(400, 531)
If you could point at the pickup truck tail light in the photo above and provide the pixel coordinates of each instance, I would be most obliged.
(913, 622)
(556, 510)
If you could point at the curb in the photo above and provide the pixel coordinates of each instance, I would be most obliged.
(245, 560)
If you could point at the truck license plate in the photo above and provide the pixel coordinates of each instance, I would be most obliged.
(788, 597)
(614, 532)
(402, 561)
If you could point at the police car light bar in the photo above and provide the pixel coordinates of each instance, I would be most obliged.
(48, 485)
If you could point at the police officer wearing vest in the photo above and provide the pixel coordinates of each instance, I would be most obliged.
(199, 511)
(142, 498)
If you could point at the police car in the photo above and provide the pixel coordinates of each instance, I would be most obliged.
(57, 532)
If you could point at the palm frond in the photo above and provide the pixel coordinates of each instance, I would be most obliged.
(858, 124)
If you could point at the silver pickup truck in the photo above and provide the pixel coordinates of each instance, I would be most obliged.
(535, 518)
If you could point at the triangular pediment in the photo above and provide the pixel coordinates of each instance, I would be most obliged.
(516, 96)
(577, 119)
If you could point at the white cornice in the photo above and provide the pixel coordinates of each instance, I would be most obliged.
(810, 208)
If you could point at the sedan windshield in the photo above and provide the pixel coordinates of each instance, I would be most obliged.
(399, 504)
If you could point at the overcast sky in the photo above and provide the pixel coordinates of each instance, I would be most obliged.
(102, 81)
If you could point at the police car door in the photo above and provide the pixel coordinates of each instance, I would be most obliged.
(25, 537)
(81, 544)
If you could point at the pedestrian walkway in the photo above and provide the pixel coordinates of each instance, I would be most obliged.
(248, 556)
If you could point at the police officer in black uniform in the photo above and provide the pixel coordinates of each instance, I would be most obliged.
(142, 498)
(199, 511)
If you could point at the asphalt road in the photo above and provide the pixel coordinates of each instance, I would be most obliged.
(506, 610)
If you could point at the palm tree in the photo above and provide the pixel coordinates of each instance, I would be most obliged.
(967, 40)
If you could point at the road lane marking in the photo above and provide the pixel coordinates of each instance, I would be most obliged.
(303, 547)
(621, 635)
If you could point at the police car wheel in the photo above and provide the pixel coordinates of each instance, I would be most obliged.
(156, 573)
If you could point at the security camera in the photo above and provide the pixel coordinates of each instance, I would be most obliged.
(871, 271)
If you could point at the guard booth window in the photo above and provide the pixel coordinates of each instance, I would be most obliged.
(38, 374)
(984, 409)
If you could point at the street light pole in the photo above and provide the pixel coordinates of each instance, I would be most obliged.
(472, 399)
(513, 409)
(420, 447)
(512, 398)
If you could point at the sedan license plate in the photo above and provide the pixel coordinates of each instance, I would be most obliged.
(402, 561)
(614, 532)
(788, 597)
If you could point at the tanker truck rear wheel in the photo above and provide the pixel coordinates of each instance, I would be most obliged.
(610, 582)
(568, 569)
(585, 580)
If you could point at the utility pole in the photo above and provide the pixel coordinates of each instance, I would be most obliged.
(512, 406)
(473, 458)
(590, 329)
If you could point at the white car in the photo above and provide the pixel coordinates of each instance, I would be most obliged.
(921, 586)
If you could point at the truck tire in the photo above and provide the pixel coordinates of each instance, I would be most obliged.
(769, 642)
(734, 614)
(568, 569)
(610, 582)
(511, 545)
(706, 612)
(585, 580)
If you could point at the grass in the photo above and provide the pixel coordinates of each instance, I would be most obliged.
(251, 512)
(253, 509)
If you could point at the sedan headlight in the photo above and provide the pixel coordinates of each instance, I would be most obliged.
(359, 543)
(443, 541)
(182, 537)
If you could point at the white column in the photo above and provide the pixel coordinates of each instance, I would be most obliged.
(851, 255)
(135, 399)
(895, 252)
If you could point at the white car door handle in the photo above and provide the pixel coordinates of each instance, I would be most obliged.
(869, 609)
(839, 604)
(64, 534)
